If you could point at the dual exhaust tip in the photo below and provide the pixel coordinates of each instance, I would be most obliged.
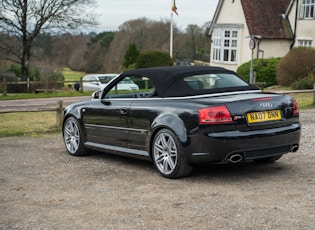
(294, 148)
(235, 158)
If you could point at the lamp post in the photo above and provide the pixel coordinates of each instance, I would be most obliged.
(252, 45)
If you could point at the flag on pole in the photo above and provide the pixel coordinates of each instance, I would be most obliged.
(174, 8)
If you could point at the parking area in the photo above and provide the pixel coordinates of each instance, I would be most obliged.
(42, 187)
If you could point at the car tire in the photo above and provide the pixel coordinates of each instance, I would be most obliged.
(267, 160)
(168, 155)
(73, 137)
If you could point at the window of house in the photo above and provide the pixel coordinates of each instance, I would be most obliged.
(305, 43)
(225, 43)
(307, 9)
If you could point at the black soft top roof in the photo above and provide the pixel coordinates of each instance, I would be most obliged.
(167, 79)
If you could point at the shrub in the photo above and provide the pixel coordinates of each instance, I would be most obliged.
(265, 70)
(304, 83)
(33, 74)
(39, 78)
(297, 64)
(154, 58)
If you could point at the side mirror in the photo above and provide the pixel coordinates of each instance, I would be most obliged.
(96, 94)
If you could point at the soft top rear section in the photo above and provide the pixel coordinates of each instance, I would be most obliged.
(170, 81)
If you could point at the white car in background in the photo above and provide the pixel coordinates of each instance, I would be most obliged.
(94, 82)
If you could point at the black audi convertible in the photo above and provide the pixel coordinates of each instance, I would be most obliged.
(181, 116)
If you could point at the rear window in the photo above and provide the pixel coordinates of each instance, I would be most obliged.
(214, 81)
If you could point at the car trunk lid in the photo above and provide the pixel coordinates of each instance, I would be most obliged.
(254, 111)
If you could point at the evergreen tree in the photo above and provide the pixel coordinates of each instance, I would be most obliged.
(131, 55)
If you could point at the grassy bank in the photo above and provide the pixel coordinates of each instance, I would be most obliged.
(17, 124)
(72, 76)
(71, 93)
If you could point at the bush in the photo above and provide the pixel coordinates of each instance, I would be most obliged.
(304, 83)
(39, 78)
(265, 70)
(33, 74)
(297, 64)
(54, 80)
(154, 58)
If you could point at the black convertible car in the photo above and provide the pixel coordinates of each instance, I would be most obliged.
(182, 116)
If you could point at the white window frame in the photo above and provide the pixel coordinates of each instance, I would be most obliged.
(305, 43)
(307, 9)
(225, 45)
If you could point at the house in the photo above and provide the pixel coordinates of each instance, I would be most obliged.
(242, 29)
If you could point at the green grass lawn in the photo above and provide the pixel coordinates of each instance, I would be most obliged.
(17, 124)
(72, 93)
(71, 75)
(304, 100)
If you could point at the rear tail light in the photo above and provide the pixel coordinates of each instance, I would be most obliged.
(295, 108)
(215, 115)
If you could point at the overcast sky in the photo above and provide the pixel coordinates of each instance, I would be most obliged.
(113, 13)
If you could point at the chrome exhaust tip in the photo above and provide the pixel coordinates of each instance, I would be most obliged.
(235, 158)
(294, 148)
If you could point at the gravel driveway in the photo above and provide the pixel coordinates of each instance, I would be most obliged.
(42, 187)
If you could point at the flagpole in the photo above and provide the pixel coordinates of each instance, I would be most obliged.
(171, 34)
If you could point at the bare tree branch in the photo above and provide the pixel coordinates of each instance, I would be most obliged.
(26, 19)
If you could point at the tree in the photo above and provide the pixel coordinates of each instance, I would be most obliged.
(153, 58)
(25, 20)
(131, 56)
(144, 33)
(97, 49)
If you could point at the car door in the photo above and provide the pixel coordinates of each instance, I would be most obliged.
(106, 122)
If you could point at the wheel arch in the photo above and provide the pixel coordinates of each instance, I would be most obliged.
(72, 112)
(170, 122)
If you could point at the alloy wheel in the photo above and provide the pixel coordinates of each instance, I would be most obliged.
(71, 136)
(165, 153)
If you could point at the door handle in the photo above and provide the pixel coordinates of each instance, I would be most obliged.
(106, 102)
(123, 110)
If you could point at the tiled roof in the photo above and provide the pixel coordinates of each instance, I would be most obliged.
(265, 18)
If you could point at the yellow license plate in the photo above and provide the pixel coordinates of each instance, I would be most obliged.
(272, 115)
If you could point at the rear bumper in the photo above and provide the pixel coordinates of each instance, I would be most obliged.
(218, 146)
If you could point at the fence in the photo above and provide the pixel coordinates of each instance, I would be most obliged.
(59, 111)
(41, 86)
(295, 92)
